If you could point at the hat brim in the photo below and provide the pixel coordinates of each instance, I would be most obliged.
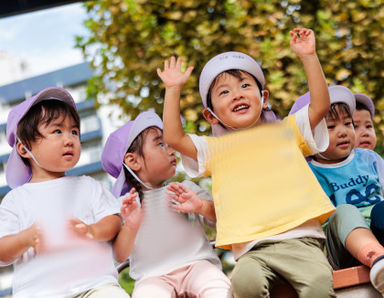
(16, 172)
(365, 100)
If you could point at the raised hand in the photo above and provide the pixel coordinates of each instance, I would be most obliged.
(130, 210)
(172, 75)
(187, 200)
(303, 41)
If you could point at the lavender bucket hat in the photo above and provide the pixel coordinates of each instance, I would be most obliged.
(17, 172)
(337, 93)
(117, 145)
(223, 62)
(367, 101)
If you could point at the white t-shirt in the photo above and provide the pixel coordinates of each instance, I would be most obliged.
(70, 265)
(168, 240)
(317, 141)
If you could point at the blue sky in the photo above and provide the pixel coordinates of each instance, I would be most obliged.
(44, 39)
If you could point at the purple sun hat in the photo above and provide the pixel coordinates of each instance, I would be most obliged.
(337, 93)
(367, 101)
(117, 145)
(17, 172)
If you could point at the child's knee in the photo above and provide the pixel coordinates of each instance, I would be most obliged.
(248, 281)
(318, 285)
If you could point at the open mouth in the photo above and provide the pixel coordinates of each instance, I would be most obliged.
(173, 162)
(68, 154)
(240, 107)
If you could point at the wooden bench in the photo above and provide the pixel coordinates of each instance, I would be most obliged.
(349, 282)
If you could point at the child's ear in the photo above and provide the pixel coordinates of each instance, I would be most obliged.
(266, 97)
(133, 161)
(209, 117)
(21, 150)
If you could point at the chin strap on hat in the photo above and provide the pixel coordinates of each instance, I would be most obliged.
(322, 156)
(136, 177)
(29, 152)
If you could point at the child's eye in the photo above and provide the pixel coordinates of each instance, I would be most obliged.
(331, 126)
(245, 85)
(369, 126)
(75, 132)
(57, 131)
(355, 126)
(224, 92)
(348, 123)
(161, 144)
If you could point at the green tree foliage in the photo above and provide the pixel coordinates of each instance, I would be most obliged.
(129, 39)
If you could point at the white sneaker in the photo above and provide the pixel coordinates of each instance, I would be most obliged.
(376, 275)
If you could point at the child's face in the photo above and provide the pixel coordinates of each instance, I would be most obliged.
(57, 151)
(341, 137)
(364, 130)
(159, 163)
(236, 101)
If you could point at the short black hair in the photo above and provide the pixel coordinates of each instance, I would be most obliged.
(43, 112)
(337, 107)
(360, 106)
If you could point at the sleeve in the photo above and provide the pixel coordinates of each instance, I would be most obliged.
(196, 168)
(316, 140)
(204, 194)
(324, 184)
(104, 203)
(9, 216)
(378, 165)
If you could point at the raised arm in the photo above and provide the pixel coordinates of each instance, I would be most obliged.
(174, 81)
(132, 214)
(303, 44)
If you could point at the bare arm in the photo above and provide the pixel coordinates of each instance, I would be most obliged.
(190, 202)
(174, 80)
(303, 44)
(13, 246)
(133, 215)
(104, 230)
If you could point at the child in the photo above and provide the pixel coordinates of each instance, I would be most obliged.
(48, 218)
(268, 204)
(353, 179)
(363, 122)
(168, 251)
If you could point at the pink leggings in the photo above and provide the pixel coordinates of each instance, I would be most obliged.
(201, 279)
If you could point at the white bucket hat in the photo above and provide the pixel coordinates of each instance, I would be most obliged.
(221, 63)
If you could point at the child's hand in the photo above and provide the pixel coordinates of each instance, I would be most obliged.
(34, 237)
(303, 42)
(189, 201)
(81, 229)
(131, 211)
(172, 75)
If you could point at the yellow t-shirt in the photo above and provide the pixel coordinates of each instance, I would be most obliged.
(261, 183)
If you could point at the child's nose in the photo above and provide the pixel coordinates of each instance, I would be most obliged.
(68, 139)
(170, 150)
(237, 94)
